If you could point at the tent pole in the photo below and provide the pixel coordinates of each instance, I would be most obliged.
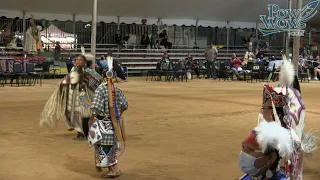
(118, 28)
(94, 32)
(288, 34)
(310, 36)
(257, 30)
(228, 32)
(257, 37)
(74, 30)
(196, 32)
(24, 27)
(296, 44)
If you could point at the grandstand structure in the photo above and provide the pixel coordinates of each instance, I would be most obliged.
(187, 33)
(139, 61)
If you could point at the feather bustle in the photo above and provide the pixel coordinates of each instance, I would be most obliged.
(286, 72)
(270, 134)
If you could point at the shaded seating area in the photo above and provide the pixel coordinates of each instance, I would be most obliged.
(303, 74)
(173, 71)
(144, 61)
(224, 71)
(256, 72)
(22, 74)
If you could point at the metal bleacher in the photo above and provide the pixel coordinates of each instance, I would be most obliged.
(141, 60)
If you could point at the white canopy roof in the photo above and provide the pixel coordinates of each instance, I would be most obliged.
(240, 13)
(53, 31)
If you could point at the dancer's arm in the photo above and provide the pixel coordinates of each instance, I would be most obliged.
(91, 120)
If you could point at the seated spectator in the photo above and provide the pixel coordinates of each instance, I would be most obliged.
(317, 68)
(118, 38)
(304, 66)
(164, 40)
(235, 65)
(246, 42)
(165, 58)
(119, 70)
(154, 40)
(192, 64)
(103, 62)
(126, 38)
(6, 36)
(260, 60)
(145, 39)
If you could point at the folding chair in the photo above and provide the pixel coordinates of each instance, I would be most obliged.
(34, 76)
(18, 75)
(180, 71)
(202, 67)
(154, 72)
(224, 71)
(304, 76)
(2, 78)
(256, 72)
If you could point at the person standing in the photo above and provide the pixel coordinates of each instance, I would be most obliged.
(211, 57)
(72, 99)
(57, 51)
(106, 132)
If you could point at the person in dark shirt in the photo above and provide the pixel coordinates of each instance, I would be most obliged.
(246, 42)
(118, 38)
(70, 63)
(57, 51)
(145, 39)
(126, 38)
(164, 40)
(192, 64)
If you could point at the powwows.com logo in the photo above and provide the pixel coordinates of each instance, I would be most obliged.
(283, 20)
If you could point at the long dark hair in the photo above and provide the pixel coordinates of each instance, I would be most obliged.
(269, 151)
(81, 75)
(296, 84)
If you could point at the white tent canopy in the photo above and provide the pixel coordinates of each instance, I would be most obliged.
(240, 13)
(53, 34)
(53, 31)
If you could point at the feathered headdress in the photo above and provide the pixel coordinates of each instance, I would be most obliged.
(287, 72)
(268, 136)
(89, 56)
(274, 136)
(110, 74)
(275, 96)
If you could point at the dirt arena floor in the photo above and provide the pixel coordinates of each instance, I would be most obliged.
(176, 131)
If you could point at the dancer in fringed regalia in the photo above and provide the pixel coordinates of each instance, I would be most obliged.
(262, 150)
(284, 106)
(107, 131)
(72, 100)
(33, 39)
